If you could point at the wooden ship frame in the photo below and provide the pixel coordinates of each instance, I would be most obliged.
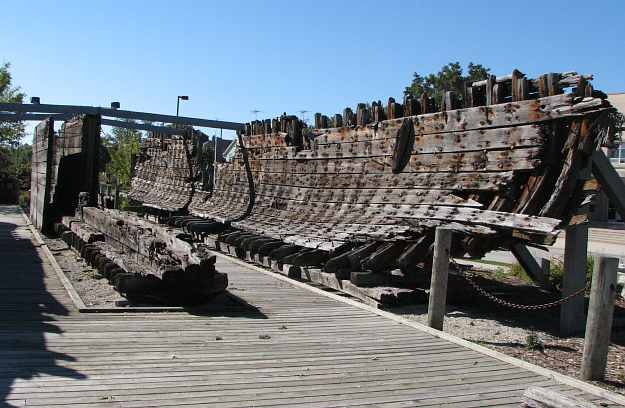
(352, 202)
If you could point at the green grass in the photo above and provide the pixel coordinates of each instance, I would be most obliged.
(556, 270)
(518, 271)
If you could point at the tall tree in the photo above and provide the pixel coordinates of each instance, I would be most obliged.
(10, 132)
(451, 77)
(122, 144)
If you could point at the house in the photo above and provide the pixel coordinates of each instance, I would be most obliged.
(603, 210)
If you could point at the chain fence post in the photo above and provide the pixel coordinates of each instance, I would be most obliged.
(440, 270)
(599, 323)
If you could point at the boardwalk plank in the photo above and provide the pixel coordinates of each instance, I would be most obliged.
(320, 353)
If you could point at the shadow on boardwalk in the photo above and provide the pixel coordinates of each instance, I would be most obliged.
(27, 310)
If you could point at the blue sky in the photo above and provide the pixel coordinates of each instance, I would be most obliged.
(231, 57)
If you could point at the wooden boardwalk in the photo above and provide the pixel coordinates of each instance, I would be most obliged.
(297, 348)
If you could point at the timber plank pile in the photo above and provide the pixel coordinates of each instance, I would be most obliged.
(359, 194)
(142, 260)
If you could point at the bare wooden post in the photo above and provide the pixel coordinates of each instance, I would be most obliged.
(529, 264)
(116, 194)
(545, 265)
(575, 250)
(440, 270)
(611, 184)
(600, 208)
(599, 323)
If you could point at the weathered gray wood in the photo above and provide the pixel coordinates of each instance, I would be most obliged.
(118, 113)
(545, 265)
(575, 252)
(40, 190)
(611, 182)
(539, 397)
(322, 350)
(599, 322)
(440, 269)
(529, 264)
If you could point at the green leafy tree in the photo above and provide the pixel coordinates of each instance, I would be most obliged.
(15, 162)
(122, 144)
(451, 77)
(10, 132)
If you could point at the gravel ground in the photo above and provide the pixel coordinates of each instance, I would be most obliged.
(507, 331)
(93, 289)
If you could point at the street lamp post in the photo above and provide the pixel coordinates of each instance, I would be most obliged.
(184, 98)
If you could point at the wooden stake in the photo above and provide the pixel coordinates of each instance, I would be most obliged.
(529, 264)
(575, 250)
(599, 323)
(545, 265)
(440, 271)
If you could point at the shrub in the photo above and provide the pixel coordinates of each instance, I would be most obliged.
(556, 271)
(534, 343)
(24, 200)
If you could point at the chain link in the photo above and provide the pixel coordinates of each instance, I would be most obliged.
(502, 302)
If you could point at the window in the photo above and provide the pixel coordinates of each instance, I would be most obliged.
(617, 155)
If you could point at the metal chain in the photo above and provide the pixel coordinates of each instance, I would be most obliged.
(502, 302)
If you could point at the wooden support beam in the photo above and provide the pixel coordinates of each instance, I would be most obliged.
(538, 397)
(118, 113)
(440, 272)
(545, 265)
(599, 322)
(611, 183)
(529, 264)
(575, 252)
(19, 117)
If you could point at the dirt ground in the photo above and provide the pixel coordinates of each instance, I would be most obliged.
(530, 335)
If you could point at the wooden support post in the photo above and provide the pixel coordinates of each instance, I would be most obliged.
(116, 194)
(545, 265)
(600, 208)
(575, 251)
(440, 270)
(611, 183)
(599, 323)
(529, 264)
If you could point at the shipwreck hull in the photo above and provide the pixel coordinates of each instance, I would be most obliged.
(366, 194)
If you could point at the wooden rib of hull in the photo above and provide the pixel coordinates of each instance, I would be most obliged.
(504, 172)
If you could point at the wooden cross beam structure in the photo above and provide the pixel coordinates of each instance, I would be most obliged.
(22, 109)
(11, 117)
